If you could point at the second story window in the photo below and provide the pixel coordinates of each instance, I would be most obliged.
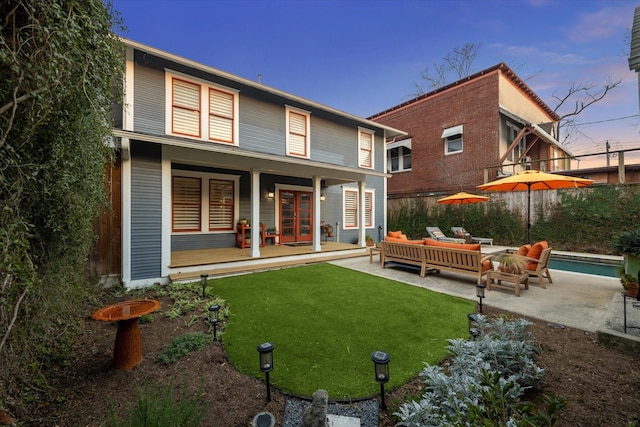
(297, 132)
(365, 147)
(399, 156)
(452, 139)
(185, 104)
(202, 110)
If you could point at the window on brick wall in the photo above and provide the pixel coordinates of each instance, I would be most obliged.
(452, 139)
(399, 156)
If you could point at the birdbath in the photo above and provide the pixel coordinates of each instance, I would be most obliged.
(127, 351)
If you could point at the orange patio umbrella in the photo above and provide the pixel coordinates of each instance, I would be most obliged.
(462, 198)
(534, 180)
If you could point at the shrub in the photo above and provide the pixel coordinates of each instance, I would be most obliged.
(158, 408)
(182, 345)
(484, 381)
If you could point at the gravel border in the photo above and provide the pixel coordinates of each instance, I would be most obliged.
(365, 410)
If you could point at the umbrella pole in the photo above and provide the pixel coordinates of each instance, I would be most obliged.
(528, 213)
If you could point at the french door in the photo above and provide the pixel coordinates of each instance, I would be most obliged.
(296, 209)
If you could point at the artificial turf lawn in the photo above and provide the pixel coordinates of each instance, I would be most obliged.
(325, 321)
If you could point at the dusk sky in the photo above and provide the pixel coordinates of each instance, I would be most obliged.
(364, 56)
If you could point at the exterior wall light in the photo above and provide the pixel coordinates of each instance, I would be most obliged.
(266, 363)
(322, 197)
(271, 194)
(381, 365)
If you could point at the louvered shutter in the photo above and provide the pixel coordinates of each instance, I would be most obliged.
(351, 208)
(297, 134)
(366, 146)
(186, 108)
(220, 116)
(220, 205)
(368, 209)
(186, 204)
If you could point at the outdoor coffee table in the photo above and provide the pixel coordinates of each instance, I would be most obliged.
(516, 279)
(127, 350)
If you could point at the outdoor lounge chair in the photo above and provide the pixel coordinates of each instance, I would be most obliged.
(436, 234)
(460, 231)
(539, 267)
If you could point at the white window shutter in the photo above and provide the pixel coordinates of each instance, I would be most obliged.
(186, 108)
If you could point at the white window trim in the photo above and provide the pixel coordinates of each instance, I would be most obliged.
(406, 143)
(204, 107)
(452, 131)
(373, 146)
(288, 110)
(373, 208)
(204, 199)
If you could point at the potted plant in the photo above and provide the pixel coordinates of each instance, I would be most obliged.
(629, 284)
(369, 240)
(329, 230)
(627, 243)
(510, 263)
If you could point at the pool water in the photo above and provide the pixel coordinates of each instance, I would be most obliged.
(597, 267)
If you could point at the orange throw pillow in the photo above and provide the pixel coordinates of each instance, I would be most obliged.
(537, 249)
(523, 250)
(403, 237)
(395, 234)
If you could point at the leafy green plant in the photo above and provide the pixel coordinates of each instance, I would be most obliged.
(626, 242)
(484, 382)
(182, 345)
(160, 407)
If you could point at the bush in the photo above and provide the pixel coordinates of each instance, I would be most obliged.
(182, 345)
(484, 381)
(159, 408)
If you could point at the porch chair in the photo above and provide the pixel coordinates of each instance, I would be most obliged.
(436, 234)
(460, 231)
(539, 267)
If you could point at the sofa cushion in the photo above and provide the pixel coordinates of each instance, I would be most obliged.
(405, 240)
(487, 265)
(469, 247)
(394, 233)
(403, 237)
(537, 249)
(523, 250)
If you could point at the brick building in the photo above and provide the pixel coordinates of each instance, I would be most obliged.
(469, 132)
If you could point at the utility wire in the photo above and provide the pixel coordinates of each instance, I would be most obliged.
(607, 120)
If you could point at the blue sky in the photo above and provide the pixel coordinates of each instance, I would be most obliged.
(364, 56)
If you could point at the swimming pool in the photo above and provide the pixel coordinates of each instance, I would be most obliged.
(597, 266)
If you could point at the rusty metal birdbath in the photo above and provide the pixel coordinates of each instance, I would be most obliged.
(127, 351)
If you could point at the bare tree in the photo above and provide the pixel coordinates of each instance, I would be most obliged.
(574, 101)
(459, 63)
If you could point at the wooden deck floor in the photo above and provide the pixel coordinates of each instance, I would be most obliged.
(188, 265)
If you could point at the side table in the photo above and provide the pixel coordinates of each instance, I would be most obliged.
(516, 279)
(373, 249)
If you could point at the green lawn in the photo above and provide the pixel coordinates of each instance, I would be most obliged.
(325, 321)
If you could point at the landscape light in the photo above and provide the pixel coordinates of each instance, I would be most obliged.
(215, 309)
(480, 294)
(381, 368)
(203, 281)
(266, 363)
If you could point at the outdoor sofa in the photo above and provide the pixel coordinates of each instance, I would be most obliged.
(433, 256)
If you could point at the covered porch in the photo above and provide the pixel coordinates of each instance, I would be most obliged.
(188, 265)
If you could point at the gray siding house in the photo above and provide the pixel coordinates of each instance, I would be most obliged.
(201, 149)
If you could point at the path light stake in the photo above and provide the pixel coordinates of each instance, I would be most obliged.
(472, 319)
(381, 365)
(266, 363)
(203, 281)
(215, 309)
(480, 294)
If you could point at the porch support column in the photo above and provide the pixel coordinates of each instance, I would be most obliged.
(361, 213)
(317, 212)
(255, 213)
